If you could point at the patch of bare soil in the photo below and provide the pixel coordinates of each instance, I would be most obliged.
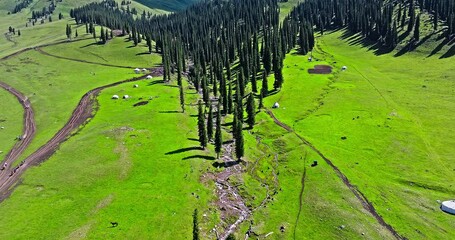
(320, 69)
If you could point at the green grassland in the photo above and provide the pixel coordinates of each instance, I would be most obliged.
(50, 84)
(10, 120)
(395, 113)
(124, 166)
(139, 166)
(328, 209)
(117, 52)
(47, 32)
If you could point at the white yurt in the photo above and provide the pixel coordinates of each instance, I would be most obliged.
(144, 70)
(137, 70)
(126, 96)
(149, 77)
(344, 68)
(448, 206)
(276, 105)
(115, 97)
(136, 86)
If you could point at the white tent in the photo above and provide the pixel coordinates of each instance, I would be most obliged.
(448, 206)
(149, 77)
(344, 68)
(137, 70)
(144, 70)
(115, 97)
(126, 96)
(276, 105)
(136, 86)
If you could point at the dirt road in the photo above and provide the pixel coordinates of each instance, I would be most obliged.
(25, 138)
(83, 112)
(359, 195)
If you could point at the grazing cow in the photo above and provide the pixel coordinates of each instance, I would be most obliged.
(114, 224)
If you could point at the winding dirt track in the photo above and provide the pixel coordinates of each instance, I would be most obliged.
(39, 46)
(83, 112)
(359, 195)
(27, 136)
(80, 60)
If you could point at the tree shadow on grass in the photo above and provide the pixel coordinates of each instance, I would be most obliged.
(439, 47)
(225, 164)
(155, 82)
(199, 156)
(181, 150)
(170, 111)
(91, 44)
(143, 53)
(171, 86)
(193, 139)
(354, 39)
(228, 142)
(412, 45)
(450, 52)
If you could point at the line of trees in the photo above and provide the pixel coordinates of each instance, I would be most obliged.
(21, 5)
(229, 46)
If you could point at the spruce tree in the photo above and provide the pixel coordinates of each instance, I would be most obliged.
(265, 85)
(239, 142)
(102, 36)
(229, 99)
(182, 98)
(201, 126)
(218, 134)
(278, 78)
(411, 16)
(210, 123)
(435, 19)
(251, 110)
(417, 29)
(261, 99)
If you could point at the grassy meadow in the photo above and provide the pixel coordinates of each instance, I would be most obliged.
(124, 166)
(10, 121)
(48, 32)
(386, 122)
(49, 83)
(394, 113)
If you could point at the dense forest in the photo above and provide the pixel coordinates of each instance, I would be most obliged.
(233, 44)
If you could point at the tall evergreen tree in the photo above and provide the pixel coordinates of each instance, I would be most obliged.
(201, 126)
(265, 85)
(251, 110)
(230, 100)
(102, 36)
(210, 123)
(182, 98)
(218, 134)
(417, 29)
(239, 142)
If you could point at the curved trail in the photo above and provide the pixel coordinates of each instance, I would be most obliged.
(302, 189)
(367, 205)
(27, 135)
(39, 46)
(38, 49)
(81, 114)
